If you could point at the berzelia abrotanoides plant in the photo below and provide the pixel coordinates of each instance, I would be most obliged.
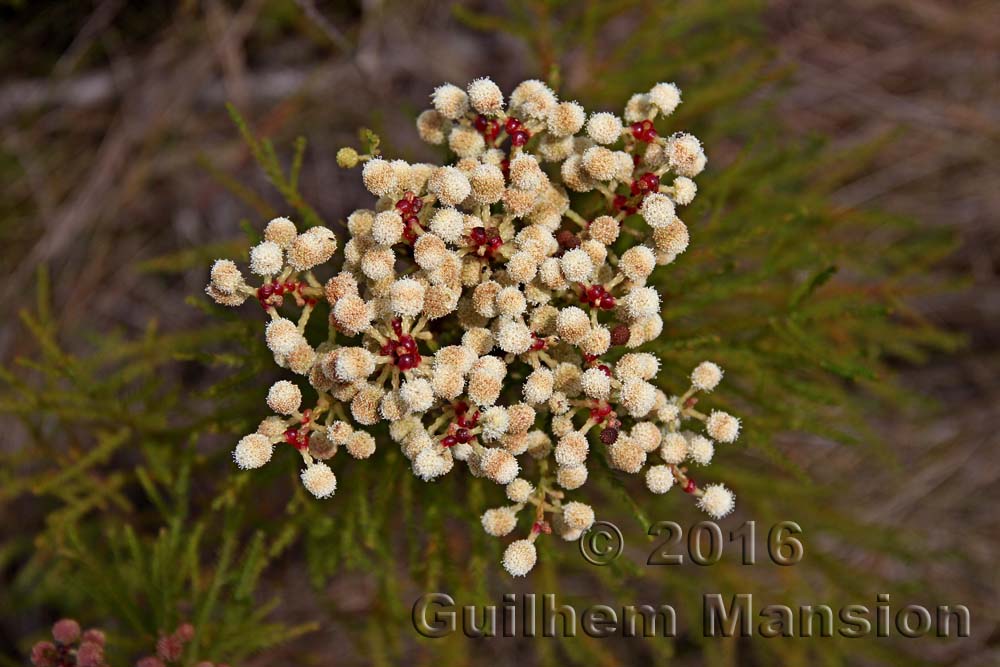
(486, 319)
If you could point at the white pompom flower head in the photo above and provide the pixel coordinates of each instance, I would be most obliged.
(494, 312)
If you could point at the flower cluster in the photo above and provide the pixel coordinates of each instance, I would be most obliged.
(71, 647)
(486, 319)
(75, 648)
(170, 649)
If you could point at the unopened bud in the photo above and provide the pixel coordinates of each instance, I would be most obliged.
(620, 334)
(347, 157)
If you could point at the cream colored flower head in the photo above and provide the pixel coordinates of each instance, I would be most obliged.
(495, 312)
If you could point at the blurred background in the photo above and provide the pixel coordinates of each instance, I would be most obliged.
(124, 175)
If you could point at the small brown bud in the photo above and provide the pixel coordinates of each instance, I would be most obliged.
(66, 631)
(94, 636)
(620, 334)
(567, 240)
(44, 654)
(185, 632)
(169, 648)
(320, 446)
(89, 654)
(609, 435)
